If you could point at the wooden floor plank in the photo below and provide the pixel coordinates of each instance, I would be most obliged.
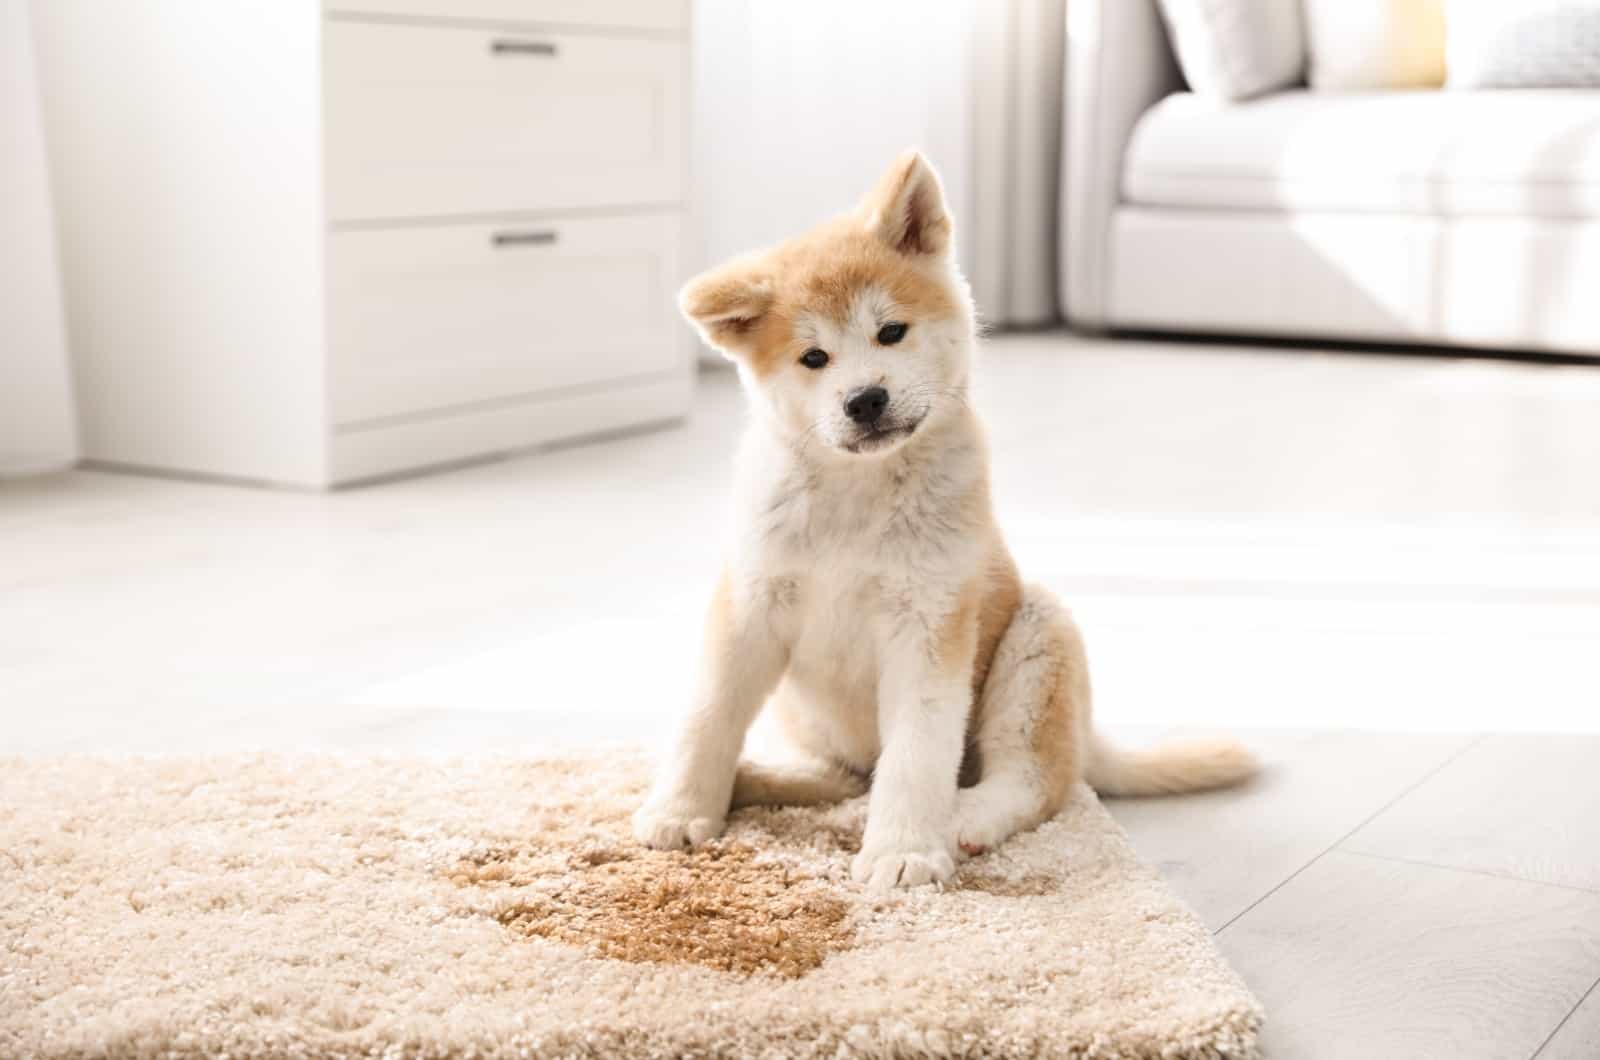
(1525, 806)
(1365, 957)
(1222, 851)
(1579, 1037)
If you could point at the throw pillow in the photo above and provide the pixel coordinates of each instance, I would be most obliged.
(1525, 44)
(1235, 49)
(1364, 45)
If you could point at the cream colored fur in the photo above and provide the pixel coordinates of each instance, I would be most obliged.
(869, 596)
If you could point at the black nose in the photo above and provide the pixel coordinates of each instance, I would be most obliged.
(867, 404)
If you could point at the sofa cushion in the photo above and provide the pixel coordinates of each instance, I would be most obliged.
(1525, 153)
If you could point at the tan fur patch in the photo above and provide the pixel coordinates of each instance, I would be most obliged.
(819, 272)
(1001, 596)
(1055, 735)
(765, 785)
(832, 267)
(958, 635)
(719, 906)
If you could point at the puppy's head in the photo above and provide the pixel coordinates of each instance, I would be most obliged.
(854, 336)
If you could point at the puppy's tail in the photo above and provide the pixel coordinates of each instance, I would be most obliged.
(1167, 770)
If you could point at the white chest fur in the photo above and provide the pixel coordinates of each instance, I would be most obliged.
(856, 550)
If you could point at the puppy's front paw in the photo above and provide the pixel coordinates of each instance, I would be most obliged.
(886, 869)
(667, 830)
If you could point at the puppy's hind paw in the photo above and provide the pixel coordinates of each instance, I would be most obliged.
(890, 869)
(665, 830)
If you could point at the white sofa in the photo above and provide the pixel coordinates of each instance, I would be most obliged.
(1437, 217)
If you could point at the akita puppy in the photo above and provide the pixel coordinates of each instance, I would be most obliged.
(869, 593)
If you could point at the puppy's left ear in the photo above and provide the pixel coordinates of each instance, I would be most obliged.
(907, 211)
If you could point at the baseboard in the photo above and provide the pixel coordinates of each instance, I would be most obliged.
(392, 448)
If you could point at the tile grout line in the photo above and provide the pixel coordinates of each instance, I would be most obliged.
(1407, 790)
(1418, 862)
(1552, 1035)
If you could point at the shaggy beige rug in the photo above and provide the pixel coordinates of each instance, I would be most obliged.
(320, 907)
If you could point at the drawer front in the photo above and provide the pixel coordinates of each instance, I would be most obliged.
(433, 121)
(656, 15)
(432, 319)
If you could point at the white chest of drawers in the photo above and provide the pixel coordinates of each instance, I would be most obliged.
(314, 244)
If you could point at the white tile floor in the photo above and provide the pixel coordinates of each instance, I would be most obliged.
(1364, 563)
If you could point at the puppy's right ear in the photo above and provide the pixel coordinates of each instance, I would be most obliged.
(727, 305)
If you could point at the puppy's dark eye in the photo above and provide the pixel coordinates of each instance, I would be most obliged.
(890, 334)
(814, 358)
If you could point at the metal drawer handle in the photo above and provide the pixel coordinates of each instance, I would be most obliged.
(542, 238)
(523, 47)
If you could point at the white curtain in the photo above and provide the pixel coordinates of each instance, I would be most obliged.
(37, 430)
(798, 107)
(1017, 59)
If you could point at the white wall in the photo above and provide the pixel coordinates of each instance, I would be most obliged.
(37, 431)
(800, 106)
